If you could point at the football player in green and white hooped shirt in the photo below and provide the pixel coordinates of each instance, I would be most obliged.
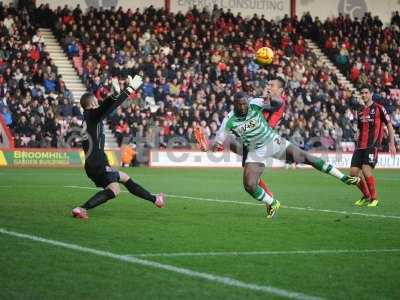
(247, 124)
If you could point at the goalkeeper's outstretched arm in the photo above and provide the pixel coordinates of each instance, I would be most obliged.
(118, 97)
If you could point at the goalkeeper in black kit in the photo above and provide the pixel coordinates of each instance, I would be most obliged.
(97, 166)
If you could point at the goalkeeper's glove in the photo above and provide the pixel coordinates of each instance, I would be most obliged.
(134, 83)
(116, 89)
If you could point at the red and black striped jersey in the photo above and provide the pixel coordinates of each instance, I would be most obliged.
(274, 118)
(370, 125)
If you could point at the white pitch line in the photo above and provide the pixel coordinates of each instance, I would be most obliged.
(342, 212)
(155, 265)
(255, 253)
(36, 174)
(215, 200)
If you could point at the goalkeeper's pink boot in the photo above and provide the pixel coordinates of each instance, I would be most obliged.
(160, 200)
(80, 213)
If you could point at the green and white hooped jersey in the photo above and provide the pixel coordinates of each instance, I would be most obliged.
(253, 130)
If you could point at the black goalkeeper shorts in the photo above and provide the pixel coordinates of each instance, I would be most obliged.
(368, 156)
(102, 176)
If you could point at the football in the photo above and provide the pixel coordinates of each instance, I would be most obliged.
(264, 56)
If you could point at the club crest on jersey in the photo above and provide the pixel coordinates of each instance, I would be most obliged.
(367, 118)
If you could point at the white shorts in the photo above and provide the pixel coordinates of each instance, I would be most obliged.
(274, 149)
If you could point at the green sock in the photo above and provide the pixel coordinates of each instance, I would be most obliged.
(323, 166)
(261, 195)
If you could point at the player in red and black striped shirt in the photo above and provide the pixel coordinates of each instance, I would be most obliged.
(371, 121)
(277, 102)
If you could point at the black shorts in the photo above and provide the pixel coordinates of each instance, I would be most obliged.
(368, 156)
(102, 176)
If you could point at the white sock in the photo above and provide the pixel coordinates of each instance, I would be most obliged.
(335, 172)
(267, 198)
(328, 168)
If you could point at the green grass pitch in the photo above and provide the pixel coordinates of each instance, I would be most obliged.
(318, 215)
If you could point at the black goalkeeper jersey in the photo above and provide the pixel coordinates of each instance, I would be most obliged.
(93, 130)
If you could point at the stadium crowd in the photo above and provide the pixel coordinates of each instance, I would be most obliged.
(34, 101)
(364, 50)
(193, 63)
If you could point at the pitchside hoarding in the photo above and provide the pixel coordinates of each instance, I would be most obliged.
(49, 158)
(225, 159)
